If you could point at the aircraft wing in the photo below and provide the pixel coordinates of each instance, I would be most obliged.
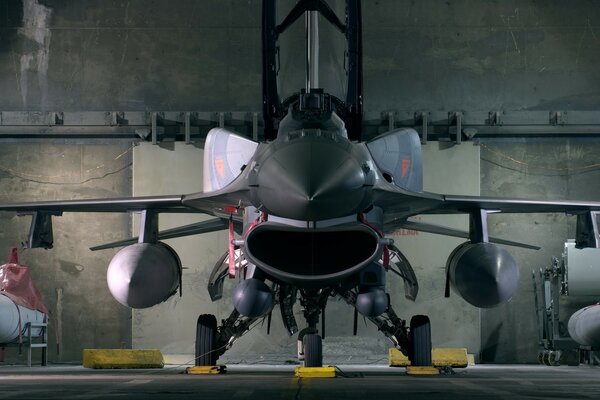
(211, 225)
(223, 204)
(461, 204)
(218, 203)
(403, 203)
(399, 204)
(159, 203)
(447, 231)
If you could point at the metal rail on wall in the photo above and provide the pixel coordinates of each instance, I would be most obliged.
(192, 126)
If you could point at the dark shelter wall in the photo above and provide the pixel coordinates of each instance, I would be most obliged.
(58, 55)
(71, 278)
(545, 169)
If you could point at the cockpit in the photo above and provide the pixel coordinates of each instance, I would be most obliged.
(312, 111)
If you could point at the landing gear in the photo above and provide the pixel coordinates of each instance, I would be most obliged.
(206, 339)
(551, 358)
(420, 341)
(310, 343)
(313, 350)
(213, 340)
(388, 323)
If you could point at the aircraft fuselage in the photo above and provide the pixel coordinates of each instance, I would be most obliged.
(312, 175)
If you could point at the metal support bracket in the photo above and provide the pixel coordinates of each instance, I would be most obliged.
(586, 235)
(154, 122)
(422, 118)
(478, 229)
(40, 231)
(148, 227)
(456, 119)
(58, 118)
(186, 124)
(255, 126)
(495, 118)
(558, 117)
(115, 118)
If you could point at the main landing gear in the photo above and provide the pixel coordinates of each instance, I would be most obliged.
(212, 341)
(206, 339)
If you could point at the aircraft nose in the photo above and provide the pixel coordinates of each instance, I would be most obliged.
(312, 180)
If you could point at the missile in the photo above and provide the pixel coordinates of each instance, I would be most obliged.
(584, 326)
(13, 319)
(20, 301)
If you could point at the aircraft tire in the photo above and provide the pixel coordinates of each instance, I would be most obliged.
(313, 350)
(206, 338)
(420, 341)
(554, 358)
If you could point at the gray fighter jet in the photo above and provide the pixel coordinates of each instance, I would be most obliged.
(312, 186)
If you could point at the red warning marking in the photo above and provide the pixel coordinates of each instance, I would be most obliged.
(405, 167)
(220, 167)
(230, 209)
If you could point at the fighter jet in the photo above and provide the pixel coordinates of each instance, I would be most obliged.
(311, 187)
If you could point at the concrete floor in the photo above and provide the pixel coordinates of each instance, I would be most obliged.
(277, 382)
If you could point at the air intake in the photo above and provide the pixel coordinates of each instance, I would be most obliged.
(309, 257)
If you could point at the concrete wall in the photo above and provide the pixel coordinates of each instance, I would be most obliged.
(473, 55)
(544, 169)
(190, 55)
(170, 326)
(455, 323)
(70, 277)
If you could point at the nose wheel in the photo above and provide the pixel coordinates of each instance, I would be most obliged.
(313, 350)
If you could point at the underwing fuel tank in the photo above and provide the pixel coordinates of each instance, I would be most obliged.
(144, 274)
(483, 274)
(584, 326)
(312, 256)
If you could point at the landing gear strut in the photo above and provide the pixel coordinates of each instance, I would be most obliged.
(213, 341)
(310, 343)
(414, 343)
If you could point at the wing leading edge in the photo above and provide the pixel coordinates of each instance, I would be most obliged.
(399, 204)
(221, 203)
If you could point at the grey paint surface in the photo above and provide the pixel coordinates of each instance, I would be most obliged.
(170, 326)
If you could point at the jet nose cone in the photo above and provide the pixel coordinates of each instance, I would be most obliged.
(312, 180)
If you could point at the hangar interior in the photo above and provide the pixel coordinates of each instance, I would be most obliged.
(114, 98)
